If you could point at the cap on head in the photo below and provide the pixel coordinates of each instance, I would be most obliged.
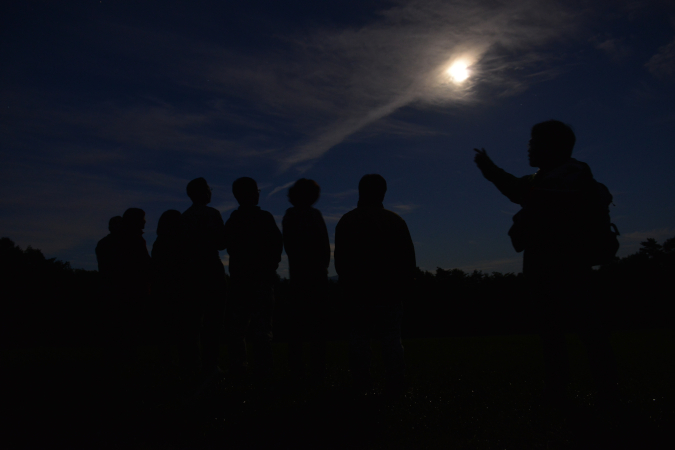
(372, 188)
(199, 191)
(245, 190)
(304, 192)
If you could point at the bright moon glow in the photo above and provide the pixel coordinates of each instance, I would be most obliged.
(458, 71)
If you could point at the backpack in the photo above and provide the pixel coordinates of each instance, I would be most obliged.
(602, 238)
(596, 237)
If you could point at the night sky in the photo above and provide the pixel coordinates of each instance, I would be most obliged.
(107, 105)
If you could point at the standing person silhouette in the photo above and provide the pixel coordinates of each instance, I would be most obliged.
(107, 254)
(375, 260)
(254, 244)
(110, 268)
(308, 249)
(552, 229)
(134, 276)
(170, 305)
(205, 276)
(125, 262)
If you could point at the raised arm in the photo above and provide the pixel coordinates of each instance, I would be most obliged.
(512, 187)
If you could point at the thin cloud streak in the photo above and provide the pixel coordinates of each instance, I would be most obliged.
(280, 188)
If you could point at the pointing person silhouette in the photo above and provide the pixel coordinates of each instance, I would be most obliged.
(552, 230)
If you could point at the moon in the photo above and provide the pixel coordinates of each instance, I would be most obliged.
(458, 71)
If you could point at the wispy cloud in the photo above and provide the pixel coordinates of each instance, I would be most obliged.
(280, 188)
(340, 195)
(662, 64)
(615, 48)
(404, 208)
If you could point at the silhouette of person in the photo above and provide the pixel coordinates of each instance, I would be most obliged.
(170, 306)
(308, 248)
(206, 283)
(134, 276)
(106, 251)
(124, 264)
(110, 267)
(551, 229)
(254, 244)
(375, 261)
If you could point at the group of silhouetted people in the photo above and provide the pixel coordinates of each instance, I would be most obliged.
(182, 287)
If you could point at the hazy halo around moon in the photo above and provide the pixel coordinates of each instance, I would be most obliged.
(458, 71)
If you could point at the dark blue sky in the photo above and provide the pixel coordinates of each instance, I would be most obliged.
(107, 105)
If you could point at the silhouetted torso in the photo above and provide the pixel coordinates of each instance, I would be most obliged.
(107, 256)
(306, 242)
(169, 263)
(204, 235)
(205, 281)
(374, 253)
(552, 226)
(134, 262)
(254, 243)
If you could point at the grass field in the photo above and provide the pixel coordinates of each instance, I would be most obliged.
(465, 393)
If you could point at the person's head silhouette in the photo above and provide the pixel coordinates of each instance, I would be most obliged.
(115, 224)
(551, 144)
(246, 191)
(169, 223)
(304, 193)
(199, 191)
(133, 220)
(372, 188)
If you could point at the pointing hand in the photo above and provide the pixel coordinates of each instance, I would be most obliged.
(481, 159)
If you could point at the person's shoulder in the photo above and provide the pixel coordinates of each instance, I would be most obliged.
(350, 219)
(234, 214)
(269, 217)
(390, 213)
(315, 212)
(262, 216)
(574, 165)
(211, 211)
(392, 216)
(290, 212)
(265, 214)
(350, 215)
(104, 241)
(574, 171)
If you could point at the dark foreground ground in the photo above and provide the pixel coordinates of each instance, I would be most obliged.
(466, 393)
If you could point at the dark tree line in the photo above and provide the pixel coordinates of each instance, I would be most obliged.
(46, 302)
